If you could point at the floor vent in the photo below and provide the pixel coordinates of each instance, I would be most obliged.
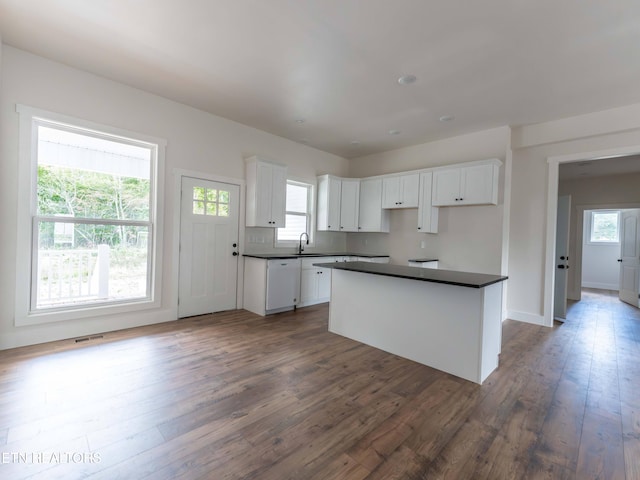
(86, 339)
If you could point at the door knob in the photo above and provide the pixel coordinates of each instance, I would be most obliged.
(619, 259)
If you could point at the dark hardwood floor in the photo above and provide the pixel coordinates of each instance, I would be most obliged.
(234, 395)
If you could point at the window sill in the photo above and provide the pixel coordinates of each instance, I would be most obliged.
(53, 316)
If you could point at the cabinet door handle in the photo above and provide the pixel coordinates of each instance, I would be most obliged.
(419, 228)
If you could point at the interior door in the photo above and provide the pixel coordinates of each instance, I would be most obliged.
(629, 256)
(208, 247)
(562, 258)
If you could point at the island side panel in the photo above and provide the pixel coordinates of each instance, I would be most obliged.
(491, 329)
(431, 323)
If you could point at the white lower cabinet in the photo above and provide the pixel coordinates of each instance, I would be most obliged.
(315, 286)
(315, 282)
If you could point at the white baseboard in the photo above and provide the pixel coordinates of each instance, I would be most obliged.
(526, 317)
(51, 332)
(601, 286)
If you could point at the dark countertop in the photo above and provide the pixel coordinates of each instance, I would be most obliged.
(278, 256)
(422, 260)
(449, 277)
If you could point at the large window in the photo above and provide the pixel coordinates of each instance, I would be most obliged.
(605, 227)
(299, 210)
(93, 211)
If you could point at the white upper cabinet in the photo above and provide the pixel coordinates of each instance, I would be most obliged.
(338, 203)
(401, 191)
(266, 193)
(349, 205)
(328, 210)
(427, 213)
(372, 218)
(468, 185)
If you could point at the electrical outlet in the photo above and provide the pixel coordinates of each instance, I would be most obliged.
(423, 244)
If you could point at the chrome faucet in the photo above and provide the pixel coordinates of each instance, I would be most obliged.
(300, 249)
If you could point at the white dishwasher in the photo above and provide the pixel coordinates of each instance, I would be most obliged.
(283, 284)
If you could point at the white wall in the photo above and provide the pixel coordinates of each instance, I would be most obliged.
(196, 141)
(532, 146)
(600, 267)
(469, 238)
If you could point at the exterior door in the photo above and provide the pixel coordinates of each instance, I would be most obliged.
(629, 256)
(562, 258)
(208, 247)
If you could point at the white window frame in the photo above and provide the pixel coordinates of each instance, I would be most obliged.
(310, 215)
(26, 314)
(593, 213)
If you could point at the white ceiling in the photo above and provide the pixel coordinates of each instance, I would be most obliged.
(335, 63)
(600, 168)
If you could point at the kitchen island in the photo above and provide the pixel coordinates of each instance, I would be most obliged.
(444, 319)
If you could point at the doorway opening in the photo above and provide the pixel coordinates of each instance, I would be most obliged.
(607, 182)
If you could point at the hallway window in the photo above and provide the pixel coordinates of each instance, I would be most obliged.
(605, 227)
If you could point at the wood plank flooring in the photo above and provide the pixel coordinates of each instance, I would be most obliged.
(234, 395)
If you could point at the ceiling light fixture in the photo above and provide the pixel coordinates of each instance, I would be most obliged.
(447, 118)
(407, 79)
(300, 120)
(354, 142)
(394, 132)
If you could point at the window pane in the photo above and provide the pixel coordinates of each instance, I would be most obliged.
(212, 209)
(297, 196)
(604, 227)
(198, 208)
(212, 195)
(223, 197)
(223, 210)
(82, 264)
(84, 176)
(198, 193)
(295, 225)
